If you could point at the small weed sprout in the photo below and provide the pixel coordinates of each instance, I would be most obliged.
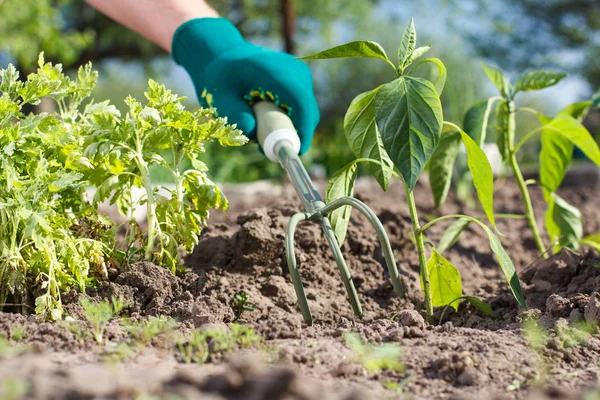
(241, 303)
(375, 358)
(13, 389)
(9, 350)
(144, 331)
(98, 314)
(120, 353)
(202, 344)
(17, 333)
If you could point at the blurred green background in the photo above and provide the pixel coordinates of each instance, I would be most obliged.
(515, 35)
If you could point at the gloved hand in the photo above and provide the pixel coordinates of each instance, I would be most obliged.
(221, 62)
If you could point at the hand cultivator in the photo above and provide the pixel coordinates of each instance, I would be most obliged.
(279, 140)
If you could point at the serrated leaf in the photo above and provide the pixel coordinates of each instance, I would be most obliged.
(483, 178)
(555, 157)
(536, 80)
(441, 166)
(408, 43)
(498, 79)
(341, 184)
(444, 281)
(408, 112)
(357, 49)
(592, 240)
(364, 139)
(481, 306)
(563, 223)
(452, 234)
(577, 134)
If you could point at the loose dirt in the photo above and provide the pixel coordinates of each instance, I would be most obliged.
(467, 355)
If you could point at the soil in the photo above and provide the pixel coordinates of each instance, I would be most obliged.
(467, 355)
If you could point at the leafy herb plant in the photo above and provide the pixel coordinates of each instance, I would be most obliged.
(51, 237)
(99, 314)
(559, 136)
(396, 128)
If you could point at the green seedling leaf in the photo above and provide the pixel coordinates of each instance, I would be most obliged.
(441, 73)
(357, 49)
(577, 134)
(476, 119)
(408, 44)
(498, 79)
(445, 281)
(555, 157)
(481, 306)
(452, 234)
(483, 178)
(500, 128)
(408, 112)
(441, 166)
(341, 184)
(596, 99)
(363, 136)
(564, 223)
(506, 265)
(577, 110)
(418, 53)
(374, 359)
(592, 240)
(536, 80)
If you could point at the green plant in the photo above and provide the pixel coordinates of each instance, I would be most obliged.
(13, 389)
(375, 358)
(49, 231)
(123, 149)
(98, 314)
(396, 128)
(559, 136)
(17, 333)
(204, 343)
(144, 331)
(120, 353)
(241, 303)
(8, 350)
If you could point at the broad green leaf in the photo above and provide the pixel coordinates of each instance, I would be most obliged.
(577, 134)
(577, 110)
(476, 119)
(341, 184)
(364, 139)
(592, 240)
(498, 79)
(596, 99)
(500, 128)
(444, 281)
(481, 306)
(441, 166)
(507, 266)
(440, 82)
(555, 157)
(452, 234)
(357, 49)
(563, 223)
(408, 112)
(418, 53)
(408, 44)
(483, 178)
(536, 80)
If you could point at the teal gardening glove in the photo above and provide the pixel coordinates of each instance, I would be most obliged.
(235, 72)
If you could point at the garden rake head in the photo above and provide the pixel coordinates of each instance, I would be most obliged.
(279, 140)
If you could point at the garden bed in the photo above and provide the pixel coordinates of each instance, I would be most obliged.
(468, 355)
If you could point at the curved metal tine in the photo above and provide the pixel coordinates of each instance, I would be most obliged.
(341, 263)
(381, 234)
(293, 267)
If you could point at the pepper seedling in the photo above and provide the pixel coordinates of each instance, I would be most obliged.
(559, 136)
(396, 128)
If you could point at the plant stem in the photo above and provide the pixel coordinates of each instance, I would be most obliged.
(510, 146)
(421, 250)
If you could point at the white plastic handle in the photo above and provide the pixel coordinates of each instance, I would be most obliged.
(274, 129)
